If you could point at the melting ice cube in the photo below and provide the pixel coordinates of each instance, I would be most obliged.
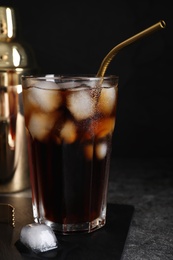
(44, 98)
(41, 124)
(80, 104)
(101, 150)
(107, 100)
(68, 132)
(38, 238)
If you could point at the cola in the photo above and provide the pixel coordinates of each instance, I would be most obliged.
(69, 124)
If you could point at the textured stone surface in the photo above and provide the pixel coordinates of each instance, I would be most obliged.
(147, 184)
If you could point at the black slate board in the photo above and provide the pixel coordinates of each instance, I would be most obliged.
(106, 243)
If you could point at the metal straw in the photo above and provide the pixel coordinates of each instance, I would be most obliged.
(161, 24)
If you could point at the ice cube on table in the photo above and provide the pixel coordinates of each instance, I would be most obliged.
(38, 237)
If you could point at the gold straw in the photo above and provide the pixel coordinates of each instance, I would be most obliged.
(161, 24)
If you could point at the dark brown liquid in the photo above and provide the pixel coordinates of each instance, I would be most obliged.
(69, 163)
(70, 187)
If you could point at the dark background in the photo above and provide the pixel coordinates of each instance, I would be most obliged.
(74, 37)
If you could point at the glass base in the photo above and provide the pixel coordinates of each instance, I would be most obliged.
(67, 229)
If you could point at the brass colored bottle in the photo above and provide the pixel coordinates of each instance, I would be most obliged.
(16, 59)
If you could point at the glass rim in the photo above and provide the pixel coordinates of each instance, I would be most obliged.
(69, 76)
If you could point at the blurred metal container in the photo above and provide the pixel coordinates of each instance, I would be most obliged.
(16, 59)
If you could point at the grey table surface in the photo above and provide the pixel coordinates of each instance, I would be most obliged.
(146, 184)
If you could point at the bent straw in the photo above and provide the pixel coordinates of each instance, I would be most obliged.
(161, 24)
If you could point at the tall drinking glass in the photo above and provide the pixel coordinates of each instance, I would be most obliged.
(69, 124)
